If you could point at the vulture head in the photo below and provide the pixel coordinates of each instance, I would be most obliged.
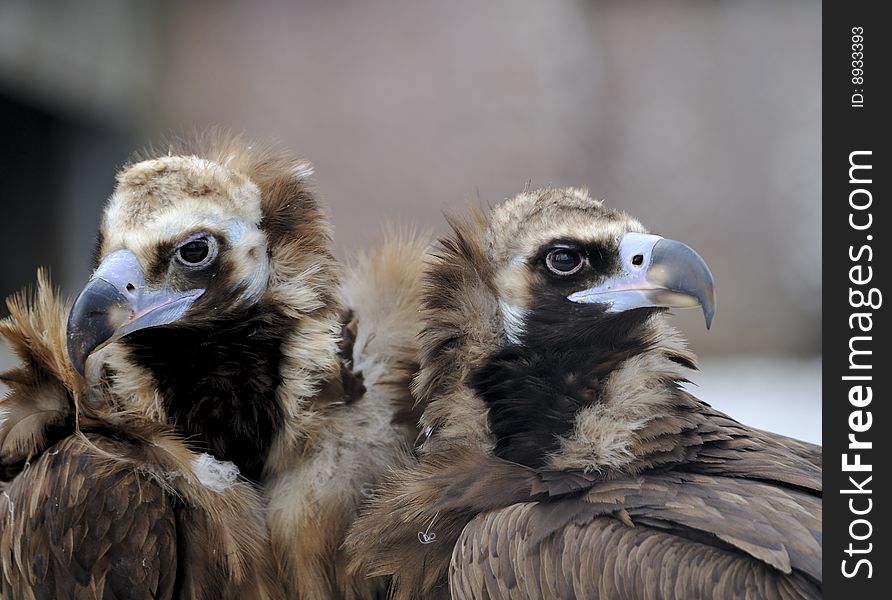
(545, 324)
(213, 275)
(567, 268)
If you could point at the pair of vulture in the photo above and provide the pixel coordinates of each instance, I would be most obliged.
(224, 413)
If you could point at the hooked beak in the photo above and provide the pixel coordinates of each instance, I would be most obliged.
(656, 272)
(116, 302)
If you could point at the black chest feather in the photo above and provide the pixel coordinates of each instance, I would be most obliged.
(534, 390)
(219, 383)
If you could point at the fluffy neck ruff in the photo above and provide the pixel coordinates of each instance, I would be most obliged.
(584, 406)
(577, 392)
(218, 384)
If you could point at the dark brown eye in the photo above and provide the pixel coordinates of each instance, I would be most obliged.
(194, 253)
(564, 261)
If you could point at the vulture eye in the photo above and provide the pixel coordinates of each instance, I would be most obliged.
(564, 261)
(195, 253)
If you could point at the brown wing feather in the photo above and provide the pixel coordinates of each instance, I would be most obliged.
(755, 454)
(67, 533)
(804, 450)
(780, 526)
(95, 517)
(700, 439)
(749, 511)
(701, 538)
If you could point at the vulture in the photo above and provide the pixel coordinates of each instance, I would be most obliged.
(561, 455)
(207, 416)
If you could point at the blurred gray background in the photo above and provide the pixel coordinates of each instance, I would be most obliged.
(702, 118)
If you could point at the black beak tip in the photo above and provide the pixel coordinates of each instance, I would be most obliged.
(89, 322)
(708, 305)
(688, 274)
(77, 362)
(78, 350)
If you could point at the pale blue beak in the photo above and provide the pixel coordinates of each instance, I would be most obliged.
(116, 302)
(656, 272)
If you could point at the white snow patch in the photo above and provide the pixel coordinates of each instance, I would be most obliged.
(513, 318)
(303, 171)
(10, 507)
(215, 474)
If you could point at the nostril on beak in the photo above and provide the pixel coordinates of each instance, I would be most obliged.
(130, 287)
(638, 260)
